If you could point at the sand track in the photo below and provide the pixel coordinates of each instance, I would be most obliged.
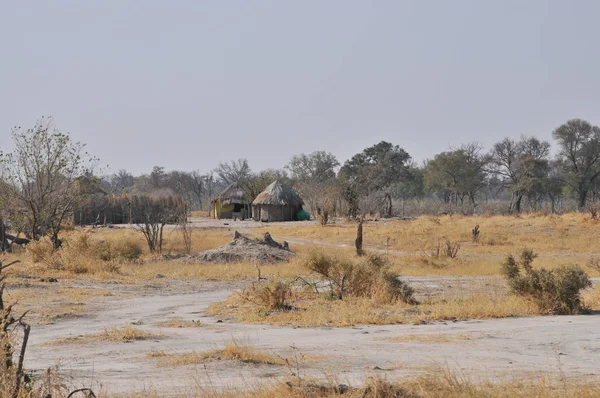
(491, 348)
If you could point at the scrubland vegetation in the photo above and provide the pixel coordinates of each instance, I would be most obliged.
(326, 283)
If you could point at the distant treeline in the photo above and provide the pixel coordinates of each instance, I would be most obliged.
(515, 175)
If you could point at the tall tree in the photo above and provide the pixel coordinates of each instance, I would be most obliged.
(316, 166)
(522, 165)
(158, 177)
(315, 180)
(375, 169)
(579, 155)
(46, 175)
(235, 171)
(460, 172)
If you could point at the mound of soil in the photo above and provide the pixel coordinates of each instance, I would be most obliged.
(243, 249)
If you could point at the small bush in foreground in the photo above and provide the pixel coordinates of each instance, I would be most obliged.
(556, 291)
(369, 276)
(272, 295)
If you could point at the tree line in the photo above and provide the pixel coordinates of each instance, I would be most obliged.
(48, 173)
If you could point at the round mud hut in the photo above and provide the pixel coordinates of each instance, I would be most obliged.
(277, 202)
(232, 203)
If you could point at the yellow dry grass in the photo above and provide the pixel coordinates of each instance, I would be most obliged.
(83, 294)
(558, 239)
(114, 335)
(234, 351)
(591, 298)
(315, 312)
(435, 383)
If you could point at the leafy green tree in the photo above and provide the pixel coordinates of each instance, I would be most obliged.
(412, 187)
(579, 156)
(315, 179)
(523, 167)
(375, 169)
(459, 173)
(314, 167)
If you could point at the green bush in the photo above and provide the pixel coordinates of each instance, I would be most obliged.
(368, 276)
(556, 291)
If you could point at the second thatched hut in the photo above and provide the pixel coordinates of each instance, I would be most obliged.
(277, 202)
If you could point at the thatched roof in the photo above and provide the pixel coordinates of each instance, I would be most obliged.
(278, 194)
(232, 194)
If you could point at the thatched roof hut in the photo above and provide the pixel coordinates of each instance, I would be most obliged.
(232, 203)
(277, 202)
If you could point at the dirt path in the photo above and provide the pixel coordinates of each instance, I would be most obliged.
(569, 344)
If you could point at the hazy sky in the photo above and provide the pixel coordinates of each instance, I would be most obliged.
(186, 84)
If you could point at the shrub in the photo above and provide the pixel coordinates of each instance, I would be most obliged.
(368, 276)
(39, 250)
(126, 249)
(556, 291)
(447, 248)
(80, 254)
(272, 295)
(129, 249)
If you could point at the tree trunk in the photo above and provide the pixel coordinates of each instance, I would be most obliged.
(389, 204)
(56, 243)
(515, 203)
(359, 238)
(582, 199)
(3, 241)
(160, 238)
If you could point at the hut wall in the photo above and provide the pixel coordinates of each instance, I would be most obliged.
(275, 212)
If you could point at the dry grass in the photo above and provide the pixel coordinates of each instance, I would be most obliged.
(435, 383)
(180, 323)
(83, 294)
(559, 239)
(210, 271)
(234, 351)
(591, 298)
(316, 312)
(113, 335)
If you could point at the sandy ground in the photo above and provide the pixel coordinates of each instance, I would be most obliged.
(491, 348)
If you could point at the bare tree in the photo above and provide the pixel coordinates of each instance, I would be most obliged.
(150, 216)
(234, 171)
(46, 175)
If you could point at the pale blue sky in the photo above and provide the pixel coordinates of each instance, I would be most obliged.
(186, 84)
